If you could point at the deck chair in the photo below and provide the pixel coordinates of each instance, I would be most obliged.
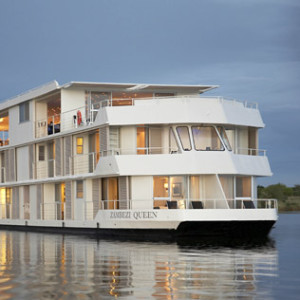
(197, 205)
(172, 204)
(248, 204)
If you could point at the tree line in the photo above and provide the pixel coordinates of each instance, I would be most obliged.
(278, 191)
(288, 197)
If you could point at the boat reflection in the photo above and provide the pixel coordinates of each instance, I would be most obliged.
(43, 266)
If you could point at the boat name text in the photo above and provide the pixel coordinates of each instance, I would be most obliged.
(137, 215)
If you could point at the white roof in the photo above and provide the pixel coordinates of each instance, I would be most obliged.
(126, 87)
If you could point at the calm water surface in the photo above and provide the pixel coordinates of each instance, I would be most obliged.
(48, 266)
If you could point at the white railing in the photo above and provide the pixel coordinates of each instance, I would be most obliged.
(167, 203)
(65, 121)
(56, 210)
(140, 151)
(53, 210)
(83, 163)
(131, 101)
(251, 151)
(44, 169)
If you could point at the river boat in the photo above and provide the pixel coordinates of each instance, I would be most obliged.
(132, 160)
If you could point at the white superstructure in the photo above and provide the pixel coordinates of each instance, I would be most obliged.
(156, 158)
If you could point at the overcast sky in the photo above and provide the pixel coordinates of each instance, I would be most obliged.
(250, 48)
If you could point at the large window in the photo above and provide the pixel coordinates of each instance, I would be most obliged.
(184, 136)
(24, 112)
(206, 138)
(243, 187)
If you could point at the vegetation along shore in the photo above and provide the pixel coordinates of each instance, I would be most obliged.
(288, 197)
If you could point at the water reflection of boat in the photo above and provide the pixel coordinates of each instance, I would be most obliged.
(132, 160)
(67, 267)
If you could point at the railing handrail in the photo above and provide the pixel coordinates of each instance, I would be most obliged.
(247, 104)
(263, 151)
(65, 112)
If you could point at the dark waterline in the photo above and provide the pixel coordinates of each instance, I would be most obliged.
(50, 266)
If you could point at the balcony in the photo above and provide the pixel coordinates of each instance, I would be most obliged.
(63, 122)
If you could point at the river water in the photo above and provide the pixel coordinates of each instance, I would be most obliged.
(50, 266)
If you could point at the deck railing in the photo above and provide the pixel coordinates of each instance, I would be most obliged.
(56, 210)
(190, 204)
(52, 210)
(131, 101)
(63, 122)
(251, 151)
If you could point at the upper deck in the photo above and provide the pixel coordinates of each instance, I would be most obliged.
(52, 109)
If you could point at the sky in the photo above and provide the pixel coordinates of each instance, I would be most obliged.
(250, 48)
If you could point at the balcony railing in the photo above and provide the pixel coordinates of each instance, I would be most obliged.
(131, 101)
(190, 204)
(251, 151)
(56, 210)
(63, 122)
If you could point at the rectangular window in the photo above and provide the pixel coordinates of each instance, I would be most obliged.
(160, 186)
(79, 145)
(79, 189)
(24, 112)
(142, 140)
(41, 153)
(206, 138)
(243, 187)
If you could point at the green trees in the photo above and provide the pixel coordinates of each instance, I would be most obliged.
(288, 197)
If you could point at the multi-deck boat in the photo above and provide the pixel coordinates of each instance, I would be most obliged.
(132, 160)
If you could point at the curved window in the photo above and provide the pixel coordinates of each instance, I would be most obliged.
(224, 137)
(184, 136)
(206, 138)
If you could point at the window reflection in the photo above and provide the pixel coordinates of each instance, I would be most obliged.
(206, 138)
(224, 137)
(184, 136)
(172, 142)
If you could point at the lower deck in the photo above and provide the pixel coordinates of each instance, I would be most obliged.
(160, 224)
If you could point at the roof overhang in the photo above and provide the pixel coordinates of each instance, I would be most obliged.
(134, 87)
(102, 86)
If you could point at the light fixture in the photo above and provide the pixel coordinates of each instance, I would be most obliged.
(166, 186)
(1, 119)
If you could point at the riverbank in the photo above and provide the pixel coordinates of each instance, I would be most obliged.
(290, 204)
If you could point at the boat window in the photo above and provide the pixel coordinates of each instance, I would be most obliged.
(178, 187)
(160, 186)
(79, 189)
(184, 136)
(24, 112)
(224, 137)
(243, 187)
(41, 153)
(142, 139)
(206, 138)
(173, 145)
(79, 145)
